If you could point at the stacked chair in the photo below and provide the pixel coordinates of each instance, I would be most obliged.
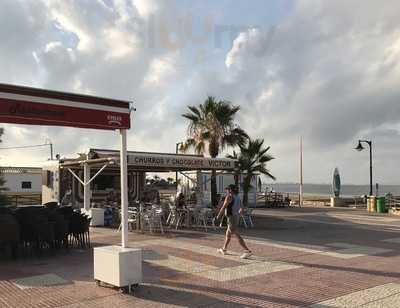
(33, 230)
(78, 228)
(9, 231)
(37, 232)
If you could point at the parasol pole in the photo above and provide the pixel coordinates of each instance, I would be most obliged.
(301, 173)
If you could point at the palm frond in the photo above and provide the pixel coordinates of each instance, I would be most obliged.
(200, 147)
(189, 143)
(191, 117)
(234, 155)
(261, 169)
(195, 111)
(265, 158)
(236, 136)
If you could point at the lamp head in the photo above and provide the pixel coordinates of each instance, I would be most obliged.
(359, 146)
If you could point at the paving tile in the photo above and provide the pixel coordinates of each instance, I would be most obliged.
(248, 270)
(214, 260)
(363, 297)
(39, 281)
(388, 302)
(349, 251)
(395, 240)
(293, 267)
(177, 264)
(352, 251)
(206, 250)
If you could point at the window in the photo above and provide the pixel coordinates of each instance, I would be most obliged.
(205, 182)
(26, 185)
(47, 178)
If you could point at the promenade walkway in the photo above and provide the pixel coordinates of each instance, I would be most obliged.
(308, 257)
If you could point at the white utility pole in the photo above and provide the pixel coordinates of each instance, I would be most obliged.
(301, 173)
(124, 189)
(86, 187)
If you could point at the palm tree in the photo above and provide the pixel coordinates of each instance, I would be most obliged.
(211, 128)
(237, 172)
(253, 158)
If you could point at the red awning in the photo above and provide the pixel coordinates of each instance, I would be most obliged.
(23, 105)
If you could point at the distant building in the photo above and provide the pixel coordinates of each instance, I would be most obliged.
(22, 180)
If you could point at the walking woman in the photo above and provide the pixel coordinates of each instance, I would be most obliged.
(232, 209)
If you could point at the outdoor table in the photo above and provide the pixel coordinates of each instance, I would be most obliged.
(190, 214)
(182, 211)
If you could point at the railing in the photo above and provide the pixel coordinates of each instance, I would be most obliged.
(392, 201)
(25, 199)
(273, 199)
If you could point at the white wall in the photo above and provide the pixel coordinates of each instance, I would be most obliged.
(14, 182)
(51, 191)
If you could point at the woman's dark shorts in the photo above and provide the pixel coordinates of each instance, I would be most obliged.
(233, 222)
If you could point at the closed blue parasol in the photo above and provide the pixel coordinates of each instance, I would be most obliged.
(336, 183)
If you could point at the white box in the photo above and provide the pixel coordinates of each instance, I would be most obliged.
(97, 215)
(336, 201)
(117, 266)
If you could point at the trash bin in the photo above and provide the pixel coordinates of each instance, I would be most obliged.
(371, 204)
(380, 205)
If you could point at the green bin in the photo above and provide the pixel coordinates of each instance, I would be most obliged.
(380, 205)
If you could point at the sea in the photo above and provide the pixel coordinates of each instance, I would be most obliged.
(326, 189)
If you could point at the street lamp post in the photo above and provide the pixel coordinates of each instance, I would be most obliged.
(360, 148)
(176, 172)
(48, 142)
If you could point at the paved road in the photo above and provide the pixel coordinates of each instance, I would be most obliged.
(308, 257)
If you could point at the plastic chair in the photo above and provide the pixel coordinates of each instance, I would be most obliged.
(204, 217)
(132, 219)
(153, 218)
(158, 214)
(175, 216)
(247, 216)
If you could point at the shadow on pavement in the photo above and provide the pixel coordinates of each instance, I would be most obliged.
(182, 294)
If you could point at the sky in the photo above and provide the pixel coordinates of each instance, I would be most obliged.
(324, 70)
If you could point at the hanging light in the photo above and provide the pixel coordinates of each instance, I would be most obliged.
(359, 146)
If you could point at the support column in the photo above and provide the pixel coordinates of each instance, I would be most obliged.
(371, 193)
(124, 189)
(301, 173)
(73, 191)
(86, 188)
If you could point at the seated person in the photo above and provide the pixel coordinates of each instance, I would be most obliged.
(112, 197)
(67, 199)
(180, 201)
(193, 198)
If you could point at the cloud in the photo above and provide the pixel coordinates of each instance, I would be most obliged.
(329, 72)
(19, 20)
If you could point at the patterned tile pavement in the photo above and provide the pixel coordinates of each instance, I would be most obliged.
(309, 257)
